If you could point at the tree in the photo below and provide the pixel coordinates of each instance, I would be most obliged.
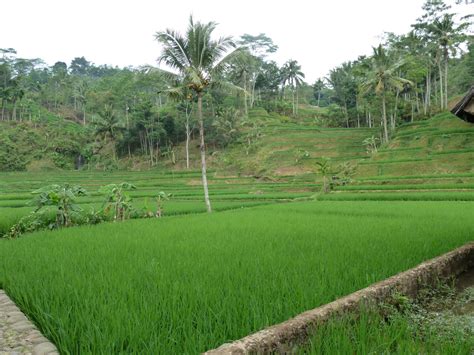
(200, 61)
(109, 126)
(62, 198)
(382, 78)
(259, 45)
(79, 66)
(117, 200)
(80, 96)
(344, 86)
(448, 37)
(245, 68)
(323, 167)
(293, 76)
(318, 87)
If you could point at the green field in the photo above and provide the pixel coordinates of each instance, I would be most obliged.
(276, 246)
(179, 205)
(372, 333)
(189, 283)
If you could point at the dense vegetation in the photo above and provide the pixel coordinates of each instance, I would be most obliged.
(125, 117)
(321, 189)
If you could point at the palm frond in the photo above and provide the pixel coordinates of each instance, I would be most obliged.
(175, 49)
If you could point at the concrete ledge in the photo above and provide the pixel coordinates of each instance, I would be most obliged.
(281, 337)
(18, 335)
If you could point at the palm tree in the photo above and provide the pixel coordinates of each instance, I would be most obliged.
(318, 87)
(245, 69)
(79, 94)
(200, 61)
(382, 78)
(292, 75)
(108, 126)
(444, 32)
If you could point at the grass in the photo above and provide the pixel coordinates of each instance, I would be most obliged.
(399, 196)
(371, 333)
(460, 186)
(188, 284)
(185, 284)
(437, 321)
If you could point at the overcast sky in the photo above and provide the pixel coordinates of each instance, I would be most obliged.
(319, 34)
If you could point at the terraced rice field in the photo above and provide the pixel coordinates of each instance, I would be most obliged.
(185, 284)
(192, 281)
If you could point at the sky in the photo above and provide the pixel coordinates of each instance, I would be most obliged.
(319, 34)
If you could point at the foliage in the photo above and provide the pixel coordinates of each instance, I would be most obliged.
(370, 144)
(118, 202)
(160, 200)
(148, 262)
(62, 199)
(323, 167)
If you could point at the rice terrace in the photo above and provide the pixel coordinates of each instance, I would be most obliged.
(228, 199)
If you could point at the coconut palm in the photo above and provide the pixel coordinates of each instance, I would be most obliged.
(108, 125)
(318, 87)
(200, 61)
(382, 78)
(448, 36)
(293, 76)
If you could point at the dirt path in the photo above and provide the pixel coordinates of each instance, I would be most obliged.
(17, 334)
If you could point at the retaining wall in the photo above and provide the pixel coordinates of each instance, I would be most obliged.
(282, 337)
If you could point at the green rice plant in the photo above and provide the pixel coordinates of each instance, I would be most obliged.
(461, 186)
(371, 333)
(187, 284)
(399, 196)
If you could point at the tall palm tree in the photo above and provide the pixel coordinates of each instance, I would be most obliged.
(108, 126)
(293, 76)
(382, 78)
(318, 87)
(244, 69)
(447, 35)
(200, 61)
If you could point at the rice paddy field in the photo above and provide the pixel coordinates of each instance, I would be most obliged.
(191, 281)
(185, 284)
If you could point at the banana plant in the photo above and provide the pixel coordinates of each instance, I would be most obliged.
(160, 199)
(324, 168)
(62, 198)
(371, 144)
(117, 200)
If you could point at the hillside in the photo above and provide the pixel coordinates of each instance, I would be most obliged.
(441, 145)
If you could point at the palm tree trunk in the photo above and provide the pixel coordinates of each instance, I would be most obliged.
(14, 111)
(446, 57)
(252, 96)
(427, 93)
(346, 113)
(203, 154)
(188, 136)
(394, 121)
(3, 109)
(319, 97)
(293, 101)
(297, 101)
(245, 95)
(441, 94)
(384, 119)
